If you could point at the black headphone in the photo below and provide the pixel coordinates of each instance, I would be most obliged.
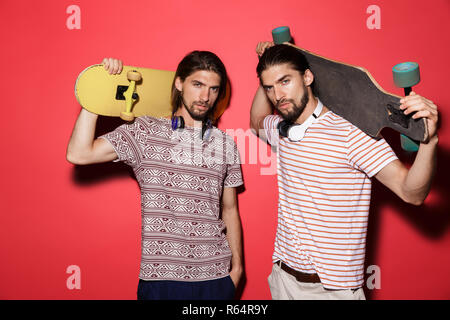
(178, 123)
(295, 132)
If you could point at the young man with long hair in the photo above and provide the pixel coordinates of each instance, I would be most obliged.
(188, 171)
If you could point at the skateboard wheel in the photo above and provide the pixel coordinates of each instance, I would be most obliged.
(127, 116)
(406, 74)
(408, 144)
(133, 75)
(281, 34)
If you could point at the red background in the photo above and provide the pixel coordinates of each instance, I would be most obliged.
(54, 215)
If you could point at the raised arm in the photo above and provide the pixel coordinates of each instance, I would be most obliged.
(261, 106)
(82, 147)
(413, 184)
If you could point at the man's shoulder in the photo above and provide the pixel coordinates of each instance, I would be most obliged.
(149, 120)
(145, 127)
(152, 123)
(336, 119)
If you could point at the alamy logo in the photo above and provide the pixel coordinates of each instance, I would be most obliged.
(74, 20)
(374, 20)
(74, 280)
(374, 280)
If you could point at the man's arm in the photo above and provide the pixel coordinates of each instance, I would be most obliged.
(230, 216)
(413, 185)
(261, 106)
(82, 148)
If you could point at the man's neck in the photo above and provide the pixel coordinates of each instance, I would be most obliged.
(309, 109)
(188, 120)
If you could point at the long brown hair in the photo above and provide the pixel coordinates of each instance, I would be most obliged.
(196, 61)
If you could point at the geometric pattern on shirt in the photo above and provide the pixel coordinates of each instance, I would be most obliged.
(181, 179)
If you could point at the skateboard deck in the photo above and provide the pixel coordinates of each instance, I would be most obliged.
(351, 92)
(99, 92)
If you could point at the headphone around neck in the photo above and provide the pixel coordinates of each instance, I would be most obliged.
(295, 132)
(178, 123)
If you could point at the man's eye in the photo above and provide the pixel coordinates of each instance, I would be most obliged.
(215, 89)
(267, 88)
(286, 81)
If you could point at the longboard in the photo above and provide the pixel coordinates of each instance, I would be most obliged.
(99, 92)
(351, 92)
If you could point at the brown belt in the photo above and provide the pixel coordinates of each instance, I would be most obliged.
(300, 276)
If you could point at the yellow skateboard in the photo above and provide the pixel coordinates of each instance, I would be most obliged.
(133, 93)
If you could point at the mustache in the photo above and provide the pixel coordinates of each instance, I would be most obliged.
(200, 103)
(279, 103)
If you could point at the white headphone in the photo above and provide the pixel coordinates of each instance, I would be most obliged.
(296, 132)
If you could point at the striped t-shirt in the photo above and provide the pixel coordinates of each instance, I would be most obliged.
(324, 197)
(181, 178)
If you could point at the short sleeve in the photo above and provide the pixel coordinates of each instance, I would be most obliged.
(368, 154)
(233, 176)
(270, 124)
(124, 140)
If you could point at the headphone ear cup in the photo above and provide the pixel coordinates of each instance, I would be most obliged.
(283, 128)
(177, 122)
(181, 122)
(174, 123)
(206, 128)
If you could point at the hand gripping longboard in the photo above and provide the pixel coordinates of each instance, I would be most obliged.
(133, 93)
(351, 92)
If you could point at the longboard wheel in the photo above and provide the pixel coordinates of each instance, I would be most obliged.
(133, 75)
(408, 144)
(281, 34)
(127, 116)
(406, 74)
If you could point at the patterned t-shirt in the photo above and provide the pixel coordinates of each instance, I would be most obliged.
(181, 178)
(324, 197)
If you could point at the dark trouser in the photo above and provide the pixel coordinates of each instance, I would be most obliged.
(218, 289)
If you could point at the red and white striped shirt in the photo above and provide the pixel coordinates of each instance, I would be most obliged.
(324, 197)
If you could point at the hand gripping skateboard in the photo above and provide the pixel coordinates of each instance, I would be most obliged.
(353, 93)
(133, 93)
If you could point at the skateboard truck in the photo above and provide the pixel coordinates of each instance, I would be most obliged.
(406, 74)
(120, 91)
(397, 116)
(130, 95)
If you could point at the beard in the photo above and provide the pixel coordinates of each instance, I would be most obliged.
(292, 115)
(196, 114)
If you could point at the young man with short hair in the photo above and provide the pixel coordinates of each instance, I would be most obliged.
(324, 172)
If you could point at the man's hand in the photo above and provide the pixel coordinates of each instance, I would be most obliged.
(262, 46)
(413, 184)
(236, 275)
(113, 66)
(423, 108)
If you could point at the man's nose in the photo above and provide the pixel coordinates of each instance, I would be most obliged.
(279, 94)
(204, 95)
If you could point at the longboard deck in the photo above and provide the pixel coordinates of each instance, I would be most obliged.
(351, 92)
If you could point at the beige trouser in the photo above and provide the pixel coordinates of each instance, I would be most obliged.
(284, 286)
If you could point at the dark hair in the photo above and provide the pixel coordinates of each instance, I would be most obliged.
(281, 54)
(196, 61)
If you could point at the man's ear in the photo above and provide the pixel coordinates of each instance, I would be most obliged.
(308, 77)
(179, 84)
